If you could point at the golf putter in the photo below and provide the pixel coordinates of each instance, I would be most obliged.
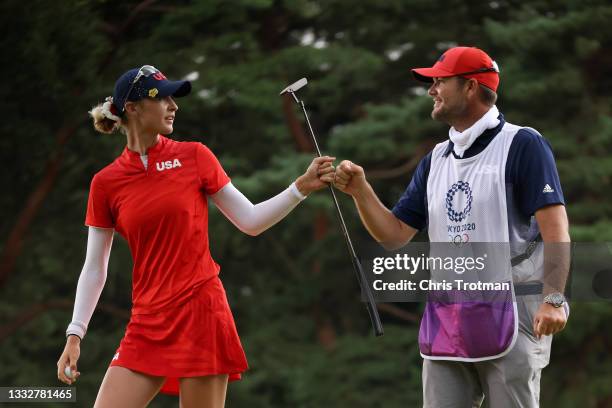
(361, 279)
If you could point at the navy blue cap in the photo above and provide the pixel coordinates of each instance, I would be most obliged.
(155, 85)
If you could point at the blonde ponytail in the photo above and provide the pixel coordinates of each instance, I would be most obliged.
(104, 120)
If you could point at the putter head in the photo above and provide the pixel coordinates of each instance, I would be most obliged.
(295, 86)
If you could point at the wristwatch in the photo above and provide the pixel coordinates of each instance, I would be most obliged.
(556, 299)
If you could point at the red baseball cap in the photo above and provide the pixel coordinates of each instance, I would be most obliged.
(468, 62)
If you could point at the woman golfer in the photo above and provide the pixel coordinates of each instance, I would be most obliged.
(181, 335)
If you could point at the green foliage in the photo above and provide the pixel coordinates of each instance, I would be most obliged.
(291, 287)
(356, 363)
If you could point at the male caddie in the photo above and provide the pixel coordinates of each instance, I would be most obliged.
(491, 182)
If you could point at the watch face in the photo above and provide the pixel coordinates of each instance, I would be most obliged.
(555, 299)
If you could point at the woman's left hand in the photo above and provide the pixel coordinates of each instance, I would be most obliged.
(317, 176)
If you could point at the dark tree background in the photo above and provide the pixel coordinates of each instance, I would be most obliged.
(292, 289)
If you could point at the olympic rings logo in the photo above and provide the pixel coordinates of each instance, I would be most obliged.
(459, 239)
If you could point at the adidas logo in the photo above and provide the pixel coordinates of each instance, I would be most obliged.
(116, 357)
(548, 189)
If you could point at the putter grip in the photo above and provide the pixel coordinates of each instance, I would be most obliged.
(370, 302)
(361, 278)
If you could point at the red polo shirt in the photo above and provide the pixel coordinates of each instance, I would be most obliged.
(162, 212)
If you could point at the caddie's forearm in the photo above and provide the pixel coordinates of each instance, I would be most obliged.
(382, 225)
(557, 262)
(554, 227)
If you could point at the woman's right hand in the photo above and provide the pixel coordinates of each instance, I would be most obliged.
(69, 358)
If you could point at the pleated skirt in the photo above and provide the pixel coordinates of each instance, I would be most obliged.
(196, 338)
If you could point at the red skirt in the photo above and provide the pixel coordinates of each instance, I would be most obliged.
(196, 338)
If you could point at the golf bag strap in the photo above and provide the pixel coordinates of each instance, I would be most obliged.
(527, 288)
(531, 247)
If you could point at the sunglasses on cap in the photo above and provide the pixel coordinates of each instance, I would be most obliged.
(144, 71)
(494, 68)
